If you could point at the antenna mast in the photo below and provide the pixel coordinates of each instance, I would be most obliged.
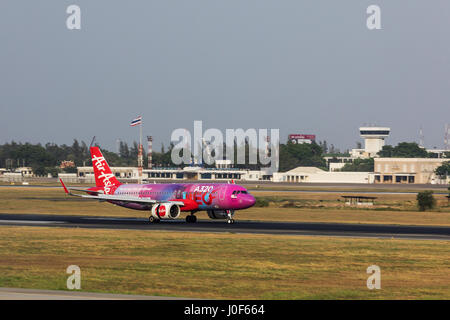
(447, 137)
(421, 137)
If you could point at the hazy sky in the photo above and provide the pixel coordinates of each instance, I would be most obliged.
(300, 66)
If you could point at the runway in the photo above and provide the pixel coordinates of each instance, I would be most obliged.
(241, 226)
(34, 294)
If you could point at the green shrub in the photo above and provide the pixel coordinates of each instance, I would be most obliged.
(261, 202)
(425, 200)
(289, 204)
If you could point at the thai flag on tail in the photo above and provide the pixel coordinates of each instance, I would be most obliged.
(136, 121)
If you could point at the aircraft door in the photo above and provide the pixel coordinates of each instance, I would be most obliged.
(222, 192)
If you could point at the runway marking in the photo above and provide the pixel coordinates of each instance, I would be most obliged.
(116, 219)
(30, 221)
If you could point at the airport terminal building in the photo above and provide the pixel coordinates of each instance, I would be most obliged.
(86, 174)
(407, 170)
(316, 175)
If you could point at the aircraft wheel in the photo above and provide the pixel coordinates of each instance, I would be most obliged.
(230, 221)
(152, 219)
(191, 219)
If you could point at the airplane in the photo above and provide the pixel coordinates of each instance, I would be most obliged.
(165, 201)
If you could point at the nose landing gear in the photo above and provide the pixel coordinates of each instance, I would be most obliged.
(230, 214)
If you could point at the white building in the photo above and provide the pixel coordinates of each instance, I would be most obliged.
(12, 177)
(441, 153)
(18, 175)
(316, 175)
(337, 163)
(25, 171)
(222, 164)
(257, 175)
(373, 141)
(86, 174)
(336, 166)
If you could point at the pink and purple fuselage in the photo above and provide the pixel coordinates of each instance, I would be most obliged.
(196, 196)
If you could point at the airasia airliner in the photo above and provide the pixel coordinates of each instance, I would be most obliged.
(165, 201)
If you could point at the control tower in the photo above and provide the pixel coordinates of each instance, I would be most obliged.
(373, 141)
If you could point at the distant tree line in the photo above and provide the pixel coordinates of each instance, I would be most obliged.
(331, 150)
(47, 159)
(44, 159)
(359, 165)
(304, 155)
(406, 150)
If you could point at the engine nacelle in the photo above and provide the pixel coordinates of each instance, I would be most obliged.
(166, 211)
(217, 214)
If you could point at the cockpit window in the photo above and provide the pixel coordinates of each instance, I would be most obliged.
(244, 192)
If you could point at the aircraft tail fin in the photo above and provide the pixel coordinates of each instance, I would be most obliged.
(103, 175)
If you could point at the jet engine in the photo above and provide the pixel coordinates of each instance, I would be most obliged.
(217, 214)
(166, 211)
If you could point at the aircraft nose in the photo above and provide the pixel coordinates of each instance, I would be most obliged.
(250, 200)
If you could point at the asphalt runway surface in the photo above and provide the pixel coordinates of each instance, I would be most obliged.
(33, 294)
(241, 226)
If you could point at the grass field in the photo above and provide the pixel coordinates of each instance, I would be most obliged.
(227, 266)
(223, 266)
(288, 206)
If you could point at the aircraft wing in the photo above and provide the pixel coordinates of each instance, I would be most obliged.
(86, 190)
(108, 197)
(66, 190)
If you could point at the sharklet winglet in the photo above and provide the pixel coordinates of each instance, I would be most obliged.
(64, 186)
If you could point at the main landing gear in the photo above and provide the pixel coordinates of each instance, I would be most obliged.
(191, 218)
(152, 219)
